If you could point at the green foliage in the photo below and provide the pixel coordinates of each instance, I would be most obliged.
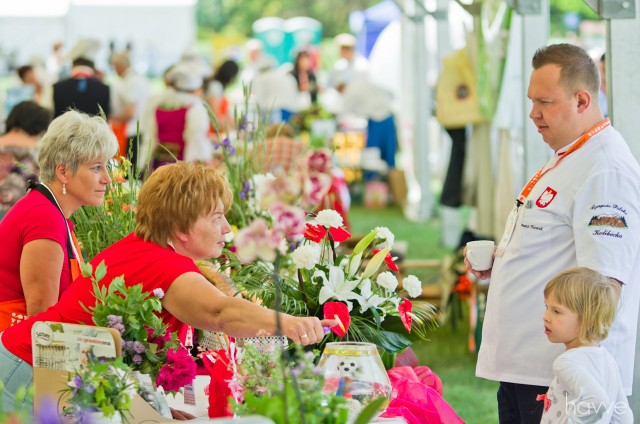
(291, 391)
(133, 312)
(561, 7)
(229, 15)
(104, 386)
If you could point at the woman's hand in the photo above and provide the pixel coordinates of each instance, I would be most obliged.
(176, 414)
(305, 330)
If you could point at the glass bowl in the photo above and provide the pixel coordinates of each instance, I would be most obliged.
(354, 370)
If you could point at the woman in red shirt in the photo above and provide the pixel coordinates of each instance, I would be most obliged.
(39, 257)
(180, 219)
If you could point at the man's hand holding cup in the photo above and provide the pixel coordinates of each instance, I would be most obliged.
(478, 258)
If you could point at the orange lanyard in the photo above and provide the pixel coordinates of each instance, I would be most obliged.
(74, 264)
(578, 144)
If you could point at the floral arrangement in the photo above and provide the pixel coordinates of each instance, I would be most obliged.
(98, 227)
(242, 153)
(289, 390)
(147, 346)
(359, 289)
(100, 386)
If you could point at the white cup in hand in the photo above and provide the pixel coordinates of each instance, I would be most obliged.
(480, 254)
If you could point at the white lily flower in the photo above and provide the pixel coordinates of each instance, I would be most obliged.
(354, 264)
(337, 287)
(369, 300)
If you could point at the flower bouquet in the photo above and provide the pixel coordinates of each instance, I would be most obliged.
(102, 387)
(147, 346)
(359, 289)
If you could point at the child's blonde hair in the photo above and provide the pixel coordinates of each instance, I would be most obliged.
(591, 295)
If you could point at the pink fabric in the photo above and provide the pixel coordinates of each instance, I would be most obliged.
(421, 374)
(171, 125)
(416, 397)
(407, 358)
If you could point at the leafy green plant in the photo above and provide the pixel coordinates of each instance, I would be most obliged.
(104, 386)
(147, 346)
(290, 390)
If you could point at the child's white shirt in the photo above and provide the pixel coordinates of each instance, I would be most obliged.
(586, 388)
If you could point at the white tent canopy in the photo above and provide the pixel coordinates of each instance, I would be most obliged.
(158, 30)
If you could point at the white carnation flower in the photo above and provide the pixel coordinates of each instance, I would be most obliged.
(306, 256)
(412, 285)
(387, 280)
(329, 218)
(385, 234)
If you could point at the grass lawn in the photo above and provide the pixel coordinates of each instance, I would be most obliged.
(446, 353)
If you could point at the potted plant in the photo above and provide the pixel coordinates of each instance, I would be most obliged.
(100, 391)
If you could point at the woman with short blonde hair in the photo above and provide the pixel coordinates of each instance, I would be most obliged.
(39, 258)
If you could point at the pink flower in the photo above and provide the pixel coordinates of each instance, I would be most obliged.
(257, 241)
(288, 221)
(179, 370)
(316, 187)
(319, 161)
(282, 188)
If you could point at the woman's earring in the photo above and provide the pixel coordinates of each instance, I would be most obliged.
(64, 189)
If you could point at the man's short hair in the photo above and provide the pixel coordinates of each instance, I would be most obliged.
(577, 70)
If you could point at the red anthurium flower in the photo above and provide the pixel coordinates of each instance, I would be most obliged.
(340, 312)
(339, 234)
(389, 261)
(405, 308)
(314, 233)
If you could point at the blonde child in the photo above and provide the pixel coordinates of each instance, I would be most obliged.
(580, 309)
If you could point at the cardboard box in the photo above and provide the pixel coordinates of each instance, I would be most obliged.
(59, 349)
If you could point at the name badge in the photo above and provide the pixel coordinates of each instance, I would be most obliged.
(509, 228)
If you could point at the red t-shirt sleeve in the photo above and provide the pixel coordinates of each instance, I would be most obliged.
(42, 221)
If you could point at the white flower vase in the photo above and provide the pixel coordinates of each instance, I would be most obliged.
(97, 417)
